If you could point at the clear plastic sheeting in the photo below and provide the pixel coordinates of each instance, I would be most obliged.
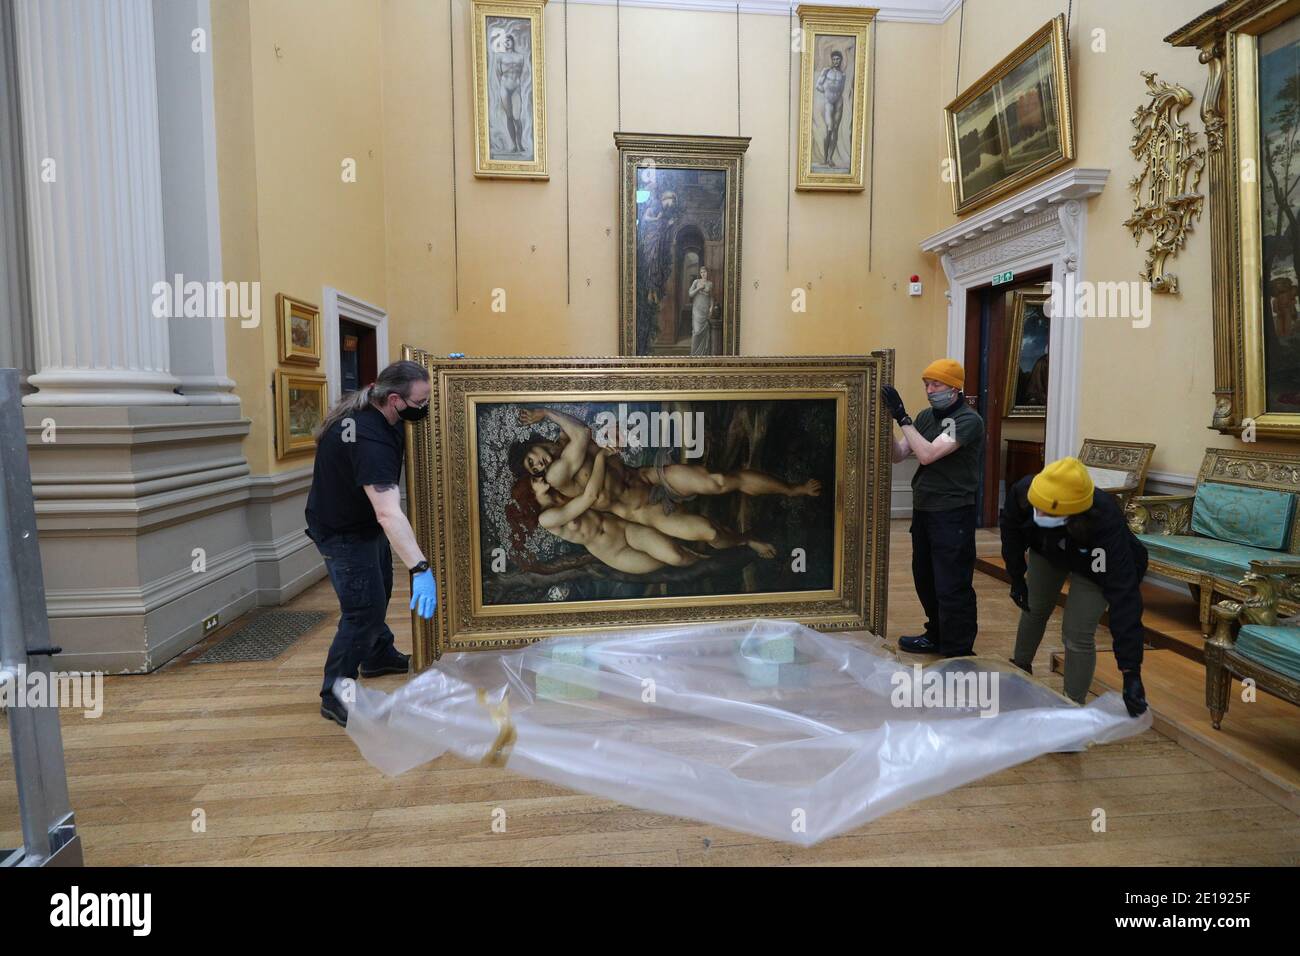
(765, 727)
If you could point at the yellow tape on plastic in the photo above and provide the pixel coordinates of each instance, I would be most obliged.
(499, 752)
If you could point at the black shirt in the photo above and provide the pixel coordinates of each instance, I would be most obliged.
(358, 450)
(950, 482)
(1100, 532)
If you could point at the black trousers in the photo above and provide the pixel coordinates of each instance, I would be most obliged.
(943, 565)
(361, 570)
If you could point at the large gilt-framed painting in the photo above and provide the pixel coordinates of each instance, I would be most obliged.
(680, 203)
(1028, 340)
(834, 96)
(1014, 123)
(570, 495)
(509, 46)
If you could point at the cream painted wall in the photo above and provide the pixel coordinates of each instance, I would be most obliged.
(298, 94)
(1139, 384)
(678, 75)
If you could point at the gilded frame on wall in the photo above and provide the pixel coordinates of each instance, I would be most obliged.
(980, 121)
(836, 46)
(465, 485)
(1255, 280)
(1026, 390)
(292, 315)
(301, 403)
(679, 196)
(509, 89)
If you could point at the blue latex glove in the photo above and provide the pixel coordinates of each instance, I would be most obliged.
(424, 594)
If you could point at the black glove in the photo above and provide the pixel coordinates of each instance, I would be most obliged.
(1135, 695)
(895, 403)
(1020, 593)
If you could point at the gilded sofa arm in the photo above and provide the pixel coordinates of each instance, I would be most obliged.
(1160, 514)
(1268, 582)
(1226, 615)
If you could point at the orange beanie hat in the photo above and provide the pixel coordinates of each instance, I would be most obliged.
(945, 370)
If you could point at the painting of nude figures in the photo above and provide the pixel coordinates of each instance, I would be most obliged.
(509, 71)
(569, 494)
(636, 499)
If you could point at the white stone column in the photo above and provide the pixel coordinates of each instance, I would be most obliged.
(16, 350)
(94, 201)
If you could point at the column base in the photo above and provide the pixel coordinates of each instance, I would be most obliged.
(102, 387)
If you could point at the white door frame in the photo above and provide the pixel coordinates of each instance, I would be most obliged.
(1043, 225)
(338, 304)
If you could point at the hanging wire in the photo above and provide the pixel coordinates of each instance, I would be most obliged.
(871, 196)
(737, 69)
(961, 26)
(789, 130)
(455, 228)
(568, 267)
(618, 40)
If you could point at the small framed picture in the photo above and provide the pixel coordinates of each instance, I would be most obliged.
(509, 89)
(300, 342)
(301, 401)
(834, 96)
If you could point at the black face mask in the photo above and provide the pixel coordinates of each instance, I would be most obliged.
(409, 414)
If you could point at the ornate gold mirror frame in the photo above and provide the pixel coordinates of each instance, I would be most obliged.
(1228, 38)
(455, 470)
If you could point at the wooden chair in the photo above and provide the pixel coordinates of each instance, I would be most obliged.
(1117, 467)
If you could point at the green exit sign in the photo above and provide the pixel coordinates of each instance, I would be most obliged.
(1002, 277)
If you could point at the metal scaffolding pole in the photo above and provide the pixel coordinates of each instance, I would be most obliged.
(49, 831)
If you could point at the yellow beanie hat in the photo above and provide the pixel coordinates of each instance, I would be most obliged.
(945, 370)
(1062, 488)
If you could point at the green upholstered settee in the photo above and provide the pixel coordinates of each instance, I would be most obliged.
(1246, 507)
(1250, 641)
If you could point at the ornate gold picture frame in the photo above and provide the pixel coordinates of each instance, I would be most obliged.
(680, 205)
(509, 44)
(299, 330)
(836, 46)
(1014, 123)
(1028, 344)
(301, 402)
(782, 509)
(1251, 48)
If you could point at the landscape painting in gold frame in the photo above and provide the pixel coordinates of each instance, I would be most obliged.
(573, 495)
(834, 96)
(509, 55)
(299, 330)
(301, 403)
(1014, 123)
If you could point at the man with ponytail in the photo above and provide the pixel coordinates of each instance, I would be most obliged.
(354, 514)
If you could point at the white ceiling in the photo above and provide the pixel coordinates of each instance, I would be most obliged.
(917, 11)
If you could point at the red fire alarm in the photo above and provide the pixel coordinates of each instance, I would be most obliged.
(914, 285)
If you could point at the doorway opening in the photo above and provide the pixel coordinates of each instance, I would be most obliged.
(1006, 381)
(358, 355)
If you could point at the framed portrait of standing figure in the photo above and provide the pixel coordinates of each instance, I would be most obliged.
(834, 96)
(509, 89)
(1251, 110)
(1014, 123)
(680, 203)
(571, 495)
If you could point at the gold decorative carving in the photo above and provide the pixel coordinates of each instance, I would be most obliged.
(1165, 193)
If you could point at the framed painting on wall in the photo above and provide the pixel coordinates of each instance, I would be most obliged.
(299, 330)
(509, 52)
(1028, 341)
(568, 495)
(680, 204)
(1014, 123)
(834, 98)
(301, 402)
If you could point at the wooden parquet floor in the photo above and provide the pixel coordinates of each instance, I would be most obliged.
(277, 784)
